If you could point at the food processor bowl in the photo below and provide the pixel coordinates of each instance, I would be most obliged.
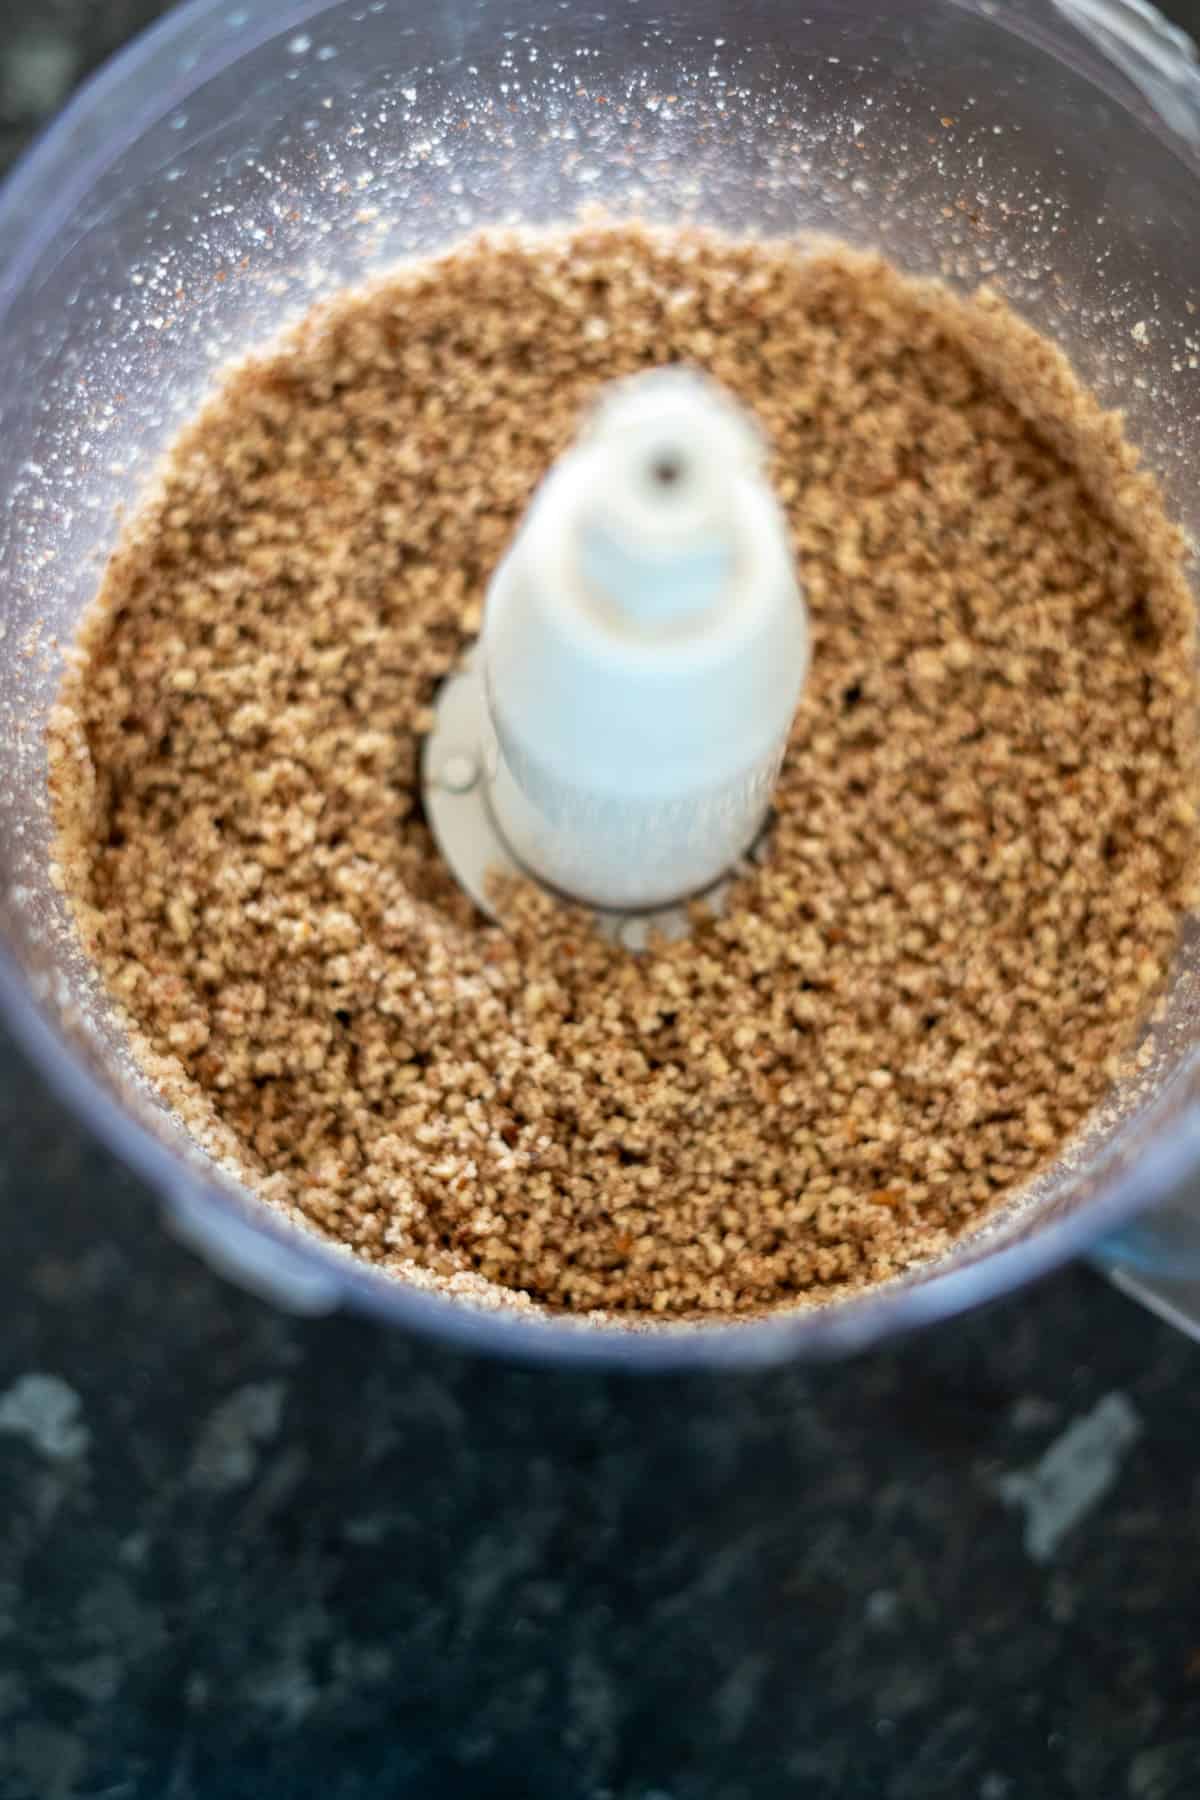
(244, 159)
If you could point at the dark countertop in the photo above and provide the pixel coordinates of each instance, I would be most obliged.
(243, 1555)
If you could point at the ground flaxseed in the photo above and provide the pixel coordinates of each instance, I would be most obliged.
(984, 840)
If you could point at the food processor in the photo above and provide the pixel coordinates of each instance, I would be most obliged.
(246, 158)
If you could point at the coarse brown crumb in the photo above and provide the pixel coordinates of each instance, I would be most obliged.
(985, 834)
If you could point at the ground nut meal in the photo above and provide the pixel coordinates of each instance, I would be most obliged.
(984, 837)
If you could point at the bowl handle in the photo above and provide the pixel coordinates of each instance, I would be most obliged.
(1156, 1259)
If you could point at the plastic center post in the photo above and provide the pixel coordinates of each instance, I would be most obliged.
(617, 731)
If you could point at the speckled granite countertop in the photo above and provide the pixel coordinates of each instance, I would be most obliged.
(246, 1556)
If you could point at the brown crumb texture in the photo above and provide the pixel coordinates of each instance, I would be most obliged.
(985, 833)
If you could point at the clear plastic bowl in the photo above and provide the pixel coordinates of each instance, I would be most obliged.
(242, 160)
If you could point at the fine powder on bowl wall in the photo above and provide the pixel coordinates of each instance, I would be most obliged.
(984, 838)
